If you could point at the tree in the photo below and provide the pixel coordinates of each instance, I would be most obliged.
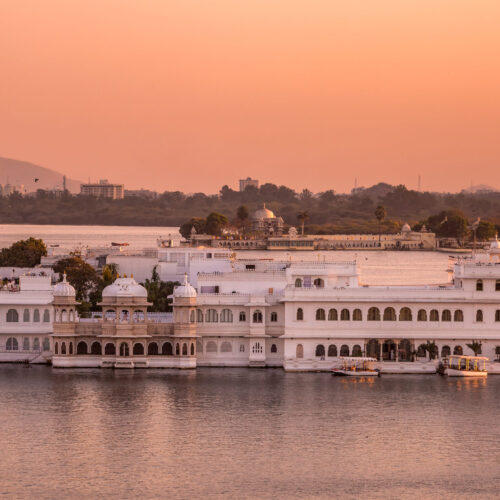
(432, 349)
(302, 216)
(380, 215)
(485, 231)
(475, 347)
(158, 292)
(80, 274)
(23, 253)
(242, 213)
(198, 223)
(216, 223)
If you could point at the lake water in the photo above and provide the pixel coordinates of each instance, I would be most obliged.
(245, 433)
(376, 267)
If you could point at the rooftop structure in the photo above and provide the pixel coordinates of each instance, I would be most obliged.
(103, 189)
(244, 183)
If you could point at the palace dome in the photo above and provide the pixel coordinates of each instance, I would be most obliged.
(64, 289)
(125, 287)
(185, 290)
(406, 228)
(263, 213)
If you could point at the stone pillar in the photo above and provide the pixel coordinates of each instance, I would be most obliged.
(396, 354)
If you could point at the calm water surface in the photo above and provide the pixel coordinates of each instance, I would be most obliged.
(243, 433)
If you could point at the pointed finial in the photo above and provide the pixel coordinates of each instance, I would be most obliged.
(185, 282)
(64, 277)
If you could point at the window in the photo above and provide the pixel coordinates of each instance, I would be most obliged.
(445, 351)
(36, 344)
(320, 350)
(497, 286)
(138, 349)
(257, 316)
(192, 349)
(243, 316)
(211, 347)
(226, 347)
(96, 349)
(26, 344)
(405, 314)
(12, 316)
(319, 283)
(81, 348)
(71, 347)
(356, 351)
(184, 349)
(12, 344)
(300, 314)
(497, 315)
(332, 315)
(373, 314)
(242, 347)
(344, 350)
(257, 348)
(153, 349)
(124, 349)
(479, 285)
(26, 315)
(299, 351)
(434, 315)
(320, 314)
(357, 315)
(56, 348)
(345, 315)
(199, 316)
(274, 349)
(422, 315)
(446, 315)
(36, 316)
(46, 344)
(46, 316)
(63, 348)
(421, 351)
(192, 316)
(274, 317)
(211, 316)
(177, 350)
(332, 351)
(458, 351)
(298, 283)
(458, 315)
(109, 350)
(479, 316)
(226, 316)
(167, 349)
(389, 314)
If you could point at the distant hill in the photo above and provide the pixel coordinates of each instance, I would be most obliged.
(21, 172)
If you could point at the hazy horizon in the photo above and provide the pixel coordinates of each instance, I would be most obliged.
(190, 96)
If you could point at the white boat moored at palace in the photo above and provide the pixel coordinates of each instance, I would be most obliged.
(465, 366)
(356, 367)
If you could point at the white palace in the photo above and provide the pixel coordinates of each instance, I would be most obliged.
(300, 316)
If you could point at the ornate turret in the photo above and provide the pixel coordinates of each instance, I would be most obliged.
(64, 302)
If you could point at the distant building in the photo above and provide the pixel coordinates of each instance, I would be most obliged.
(244, 183)
(8, 189)
(266, 223)
(103, 190)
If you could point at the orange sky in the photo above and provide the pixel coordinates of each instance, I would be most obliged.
(194, 94)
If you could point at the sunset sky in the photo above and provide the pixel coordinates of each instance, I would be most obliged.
(194, 94)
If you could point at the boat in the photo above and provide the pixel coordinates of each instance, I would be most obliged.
(356, 367)
(464, 366)
(115, 244)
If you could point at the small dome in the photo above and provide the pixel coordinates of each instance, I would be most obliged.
(64, 289)
(125, 287)
(263, 213)
(185, 290)
(406, 228)
(495, 244)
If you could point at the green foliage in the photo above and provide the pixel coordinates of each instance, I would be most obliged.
(242, 213)
(81, 275)
(23, 253)
(485, 231)
(158, 291)
(199, 224)
(432, 349)
(216, 223)
(475, 347)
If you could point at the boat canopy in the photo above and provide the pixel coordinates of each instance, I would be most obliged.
(357, 358)
(459, 356)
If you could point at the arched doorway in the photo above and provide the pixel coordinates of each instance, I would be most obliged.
(373, 349)
(109, 350)
(124, 349)
(404, 351)
(138, 349)
(299, 352)
(389, 351)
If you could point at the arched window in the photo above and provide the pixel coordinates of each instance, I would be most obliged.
(139, 316)
(357, 315)
(36, 344)
(458, 315)
(405, 314)
(274, 349)
(211, 347)
(300, 314)
(12, 316)
(274, 317)
(192, 349)
(421, 351)
(56, 348)
(320, 350)
(26, 344)
(71, 347)
(46, 316)
(153, 349)
(257, 348)
(46, 344)
(192, 316)
(243, 316)
(434, 316)
(332, 351)
(12, 344)
(356, 351)
(26, 316)
(298, 283)
(320, 314)
(226, 347)
(109, 349)
(96, 349)
(332, 315)
(373, 314)
(422, 315)
(184, 349)
(497, 315)
(81, 348)
(64, 316)
(138, 349)
(389, 314)
(177, 350)
(497, 286)
(479, 316)
(479, 285)
(166, 349)
(199, 347)
(458, 351)
(226, 316)
(257, 316)
(344, 350)
(124, 349)
(63, 348)
(299, 351)
(345, 315)
(319, 283)
(446, 315)
(36, 316)
(445, 351)
(211, 316)
(199, 316)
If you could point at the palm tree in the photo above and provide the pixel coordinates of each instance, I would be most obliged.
(432, 349)
(303, 216)
(475, 347)
(380, 214)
